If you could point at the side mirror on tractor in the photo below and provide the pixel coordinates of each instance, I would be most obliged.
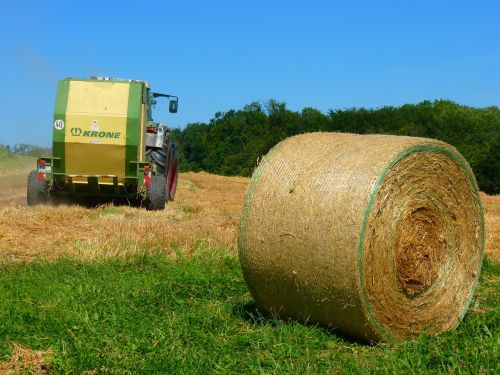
(173, 105)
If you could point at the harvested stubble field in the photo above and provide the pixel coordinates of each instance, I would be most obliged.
(121, 289)
(207, 211)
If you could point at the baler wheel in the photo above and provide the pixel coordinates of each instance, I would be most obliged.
(157, 193)
(37, 190)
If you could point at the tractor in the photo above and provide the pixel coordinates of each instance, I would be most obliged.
(106, 146)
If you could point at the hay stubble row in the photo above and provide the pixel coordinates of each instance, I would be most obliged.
(207, 210)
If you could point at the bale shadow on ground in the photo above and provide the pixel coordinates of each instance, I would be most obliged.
(250, 312)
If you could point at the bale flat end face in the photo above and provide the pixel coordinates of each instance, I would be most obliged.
(380, 237)
(423, 242)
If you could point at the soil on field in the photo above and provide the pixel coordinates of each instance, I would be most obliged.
(206, 210)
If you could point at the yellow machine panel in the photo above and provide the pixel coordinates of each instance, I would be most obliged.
(96, 121)
(85, 161)
(95, 97)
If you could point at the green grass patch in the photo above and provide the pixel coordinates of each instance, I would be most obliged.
(150, 314)
(105, 211)
(12, 163)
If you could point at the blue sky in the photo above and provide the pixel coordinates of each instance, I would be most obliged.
(220, 55)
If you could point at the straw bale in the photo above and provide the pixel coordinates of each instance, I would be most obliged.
(380, 237)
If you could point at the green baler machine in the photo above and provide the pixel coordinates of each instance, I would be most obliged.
(106, 145)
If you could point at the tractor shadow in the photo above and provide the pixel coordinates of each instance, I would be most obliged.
(94, 202)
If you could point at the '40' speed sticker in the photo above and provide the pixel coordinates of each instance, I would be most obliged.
(59, 124)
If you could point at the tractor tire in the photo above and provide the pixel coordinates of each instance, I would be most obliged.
(157, 193)
(168, 180)
(160, 156)
(174, 176)
(37, 190)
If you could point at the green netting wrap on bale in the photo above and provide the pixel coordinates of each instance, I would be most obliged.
(380, 237)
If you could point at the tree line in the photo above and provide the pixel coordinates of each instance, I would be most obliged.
(26, 149)
(232, 142)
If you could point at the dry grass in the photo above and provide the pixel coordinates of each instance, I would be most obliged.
(492, 208)
(14, 172)
(25, 361)
(207, 210)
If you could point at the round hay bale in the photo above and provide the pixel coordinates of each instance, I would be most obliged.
(380, 237)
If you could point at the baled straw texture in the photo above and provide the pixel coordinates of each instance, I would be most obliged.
(380, 237)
